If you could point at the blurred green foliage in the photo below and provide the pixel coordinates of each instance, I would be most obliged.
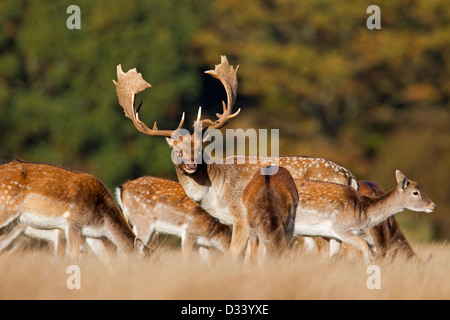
(58, 102)
(370, 100)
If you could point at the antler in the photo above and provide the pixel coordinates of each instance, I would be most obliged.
(227, 75)
(127, 86)
(131, 83)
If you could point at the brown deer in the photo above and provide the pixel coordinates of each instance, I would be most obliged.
(339, 212)
(218, 187)
(159, 205)
(386, 238)
(37, 199)
(271, 201)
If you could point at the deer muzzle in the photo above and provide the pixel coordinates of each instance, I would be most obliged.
(430, 208)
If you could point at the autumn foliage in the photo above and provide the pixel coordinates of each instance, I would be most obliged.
(372, 101)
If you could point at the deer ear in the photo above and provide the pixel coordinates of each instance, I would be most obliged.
(154, 243)
(170, 142)
(404, 183)
(139, 247)
(402, 180)
(399, 175)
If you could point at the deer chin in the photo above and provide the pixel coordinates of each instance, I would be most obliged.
(430, 209)
(188, 168)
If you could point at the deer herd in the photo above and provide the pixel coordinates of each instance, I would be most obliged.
(247, 208)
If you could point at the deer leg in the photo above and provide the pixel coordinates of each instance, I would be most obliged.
(263, 248)
(252, 249)
(239, 239)
(74, 239)
(98, 247)
(334, 247)
(149, 236)
(55, 236)
(205, 254)
(276, 242)
(187, 245)
(309, 245)
(111, 248)
(7, 239)
(323, 245)
(380, 235)
(60, 244)
(355, 241)
(7, 218)
(397, 240)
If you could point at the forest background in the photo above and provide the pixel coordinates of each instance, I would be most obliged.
(372, 101)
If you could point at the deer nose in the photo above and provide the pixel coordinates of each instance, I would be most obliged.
(191, 166)
(432, 207)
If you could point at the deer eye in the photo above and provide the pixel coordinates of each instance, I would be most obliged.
(416, 193)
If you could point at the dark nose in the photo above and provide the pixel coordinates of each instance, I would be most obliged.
(191, 166)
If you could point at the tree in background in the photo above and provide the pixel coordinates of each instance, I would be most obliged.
(57, 99)
(371, 100)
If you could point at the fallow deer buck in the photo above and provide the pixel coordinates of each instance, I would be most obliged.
(339, 212)
(271, 202)
(159, 205)
(41, 198)
(218, 187)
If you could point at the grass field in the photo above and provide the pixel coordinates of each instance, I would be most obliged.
(40, 275)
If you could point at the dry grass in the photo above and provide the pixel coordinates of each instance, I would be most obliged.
(39, 275)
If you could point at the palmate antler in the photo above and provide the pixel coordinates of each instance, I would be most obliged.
(127, 86)
(131, 83)
(228, 76)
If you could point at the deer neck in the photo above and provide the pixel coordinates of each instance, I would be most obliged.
(118, 230)
(381, 208)
(210, 187)
(198, 184)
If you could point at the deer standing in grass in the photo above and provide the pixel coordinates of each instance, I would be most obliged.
(218, 187)
(271, 202)
(340, 213)
(160, 205)
(385, 238)
(36, 199)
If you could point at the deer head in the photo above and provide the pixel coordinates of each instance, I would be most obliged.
(412, 194)
(187, 151)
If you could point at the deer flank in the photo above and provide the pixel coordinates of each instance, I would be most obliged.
(158, 205)
(339, 212)
(42, 197)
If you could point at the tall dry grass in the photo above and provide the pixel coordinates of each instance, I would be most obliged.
(39, 275)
